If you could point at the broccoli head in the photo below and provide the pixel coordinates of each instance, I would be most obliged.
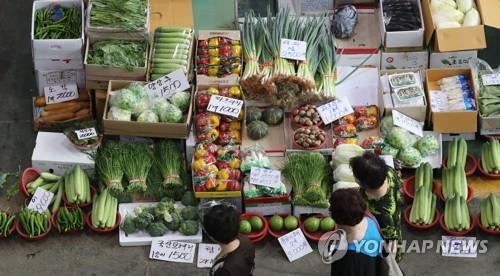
(188, 199)
(157, 229)
(143, 220)
(175, 222)
(189, 213)
(129, 225)
(189, 228)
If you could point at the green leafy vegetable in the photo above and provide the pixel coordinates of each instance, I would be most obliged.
(129, 15)
(118, 53)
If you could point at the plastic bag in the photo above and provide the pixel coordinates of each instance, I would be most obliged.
(255, 156)
(345, 21)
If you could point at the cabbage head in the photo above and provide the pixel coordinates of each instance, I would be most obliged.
(148, 116)
(124, 99)
(159, 104)
(181, 100)
(390, 150)
(410, 157)
(116, 113)
(428, 145)
(386, 125)
(400, 138)
(138, 89)
(171, 114)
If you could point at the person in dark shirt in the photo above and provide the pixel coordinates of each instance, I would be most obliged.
(364, 241)
(222, 223)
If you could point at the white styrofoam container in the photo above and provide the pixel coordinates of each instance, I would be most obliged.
(58, 64)
(305, 210)
(404, 60)
(372, 59)
(269, 209)
(142, 238)
(57, 48)
(451, 59)
(50, 77)
(435, 159)
(469, 136)
(401, 39)
(54, 151)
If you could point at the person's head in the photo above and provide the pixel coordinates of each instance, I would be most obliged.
(369, 170)
(347, 206)
(222, 223)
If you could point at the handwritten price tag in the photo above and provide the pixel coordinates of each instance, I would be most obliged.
(491, 79)
(60, 77)
(293, 49)
(389, 160)
(172, 251)
(86, 133)
(265, 177)
(335, 110)
(465, 247)
(167, 85)
(295, 245)
(225, 106)
(60, 93)
(40, 200)
(408, 123)
(207, 254)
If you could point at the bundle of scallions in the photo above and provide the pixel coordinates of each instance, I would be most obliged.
(108, 164)
(251, 47)
(169, 159)
(136, 163)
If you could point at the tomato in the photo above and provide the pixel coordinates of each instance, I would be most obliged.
(202, 43)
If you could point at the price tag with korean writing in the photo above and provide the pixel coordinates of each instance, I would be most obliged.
(295, 245)
(465, 247)
(167, 85)
(225, 106)
(491, 79)
(40, 200)
(207, 254)
(60, 93)
(293, 49)
(86, 133)
(265, 177)
(172, 251)
(389, 160)
(60, 77)
(335, 110)
(408, 123)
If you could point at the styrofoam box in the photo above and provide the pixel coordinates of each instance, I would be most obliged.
(269, 209)
(142, 238)
(49, 78)
(451, 59)
(404, 60)
(305, 210)
(58, 64)
(469, 136)
(54, 151)
(57, 48)
(402, 39)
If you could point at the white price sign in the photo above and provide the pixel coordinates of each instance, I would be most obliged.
(293, 49)
(408, 123)
(167, 85)
(265, 177)
(60, 93)
(389, 160)
(491, 79)
(86, 133)
(465, 247)
(40, 200)
(225, 106)
(207, 254)
(335, 110)
(60, 77)
(295, 245)
(172, 251)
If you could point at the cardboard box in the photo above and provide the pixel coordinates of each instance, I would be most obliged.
(96, 32)
(401, 39)
(390, 102)
(57, 48)
(170, 13)
(404, 60)
(450, 121)
(104, 72)
(464, 38)
(53, 151)
(58, 64)
(274, 141)
(364, 45)
(361, 88)
(451, 59)
(49, 78)
(132, 128)
(227, 80)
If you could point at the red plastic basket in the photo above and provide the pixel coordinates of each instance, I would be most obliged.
(9, 232)
(406, 216)
(256, 234)
(277, 234)
(470, 164)
(295, 125)
(313, 236)
(28, 175)
(309, 148)
(484, 229)
(20, 230)
(457, 233)
(409, 187)
(53, 220)
(485, 173)
(88, 221)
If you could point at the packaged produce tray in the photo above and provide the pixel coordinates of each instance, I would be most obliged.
(142, 238)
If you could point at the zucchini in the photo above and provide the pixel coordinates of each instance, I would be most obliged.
(173, 40)
(169, 61)
(184, 30)
(173, 35)
(171, 51)
(171, 46)
(49, 176)
(156, 76)
(171, 56)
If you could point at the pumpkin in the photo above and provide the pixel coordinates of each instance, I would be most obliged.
(273, 116)
(253, 114)
(257, 130)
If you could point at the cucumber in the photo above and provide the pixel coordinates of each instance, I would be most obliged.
(171, 56)
(49, 176)
(184, 30)
(171, 51)
(169, 61)
(166, 70)
(173, 40)
(173, 35)
(156, 76)
(172, 46)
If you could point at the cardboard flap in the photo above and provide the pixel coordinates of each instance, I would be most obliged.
(490, 11)
(171, 13)
(460, 39)
(429, 25)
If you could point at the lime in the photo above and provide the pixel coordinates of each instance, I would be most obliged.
(312, 224)
(327, 224)
(276, 223)
(245, 227)
(256, 223)
(291, 223)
